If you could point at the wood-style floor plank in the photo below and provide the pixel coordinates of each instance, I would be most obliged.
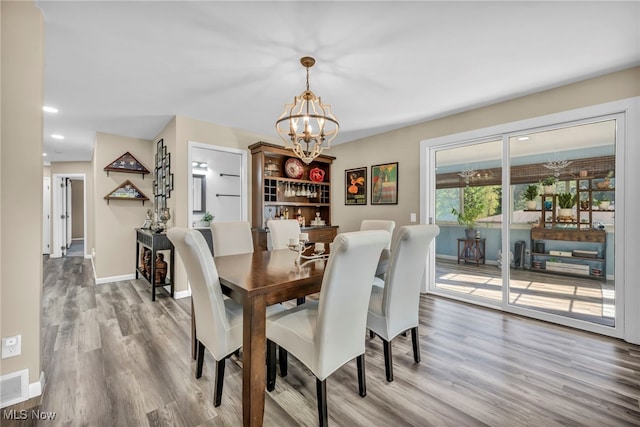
(112, 357)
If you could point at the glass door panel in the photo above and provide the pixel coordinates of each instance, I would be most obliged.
(468, 209)
(562, 234)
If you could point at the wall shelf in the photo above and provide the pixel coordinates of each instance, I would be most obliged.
(126, 191)
(126, 163)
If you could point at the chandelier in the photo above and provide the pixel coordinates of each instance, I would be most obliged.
(556, 165)
(307, 124)
(467, 174)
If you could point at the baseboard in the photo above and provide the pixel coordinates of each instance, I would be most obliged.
(100, 281)
(182, 294)
(35, 389)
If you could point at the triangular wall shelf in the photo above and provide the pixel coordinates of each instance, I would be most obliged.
(128, 164)
(126, 191)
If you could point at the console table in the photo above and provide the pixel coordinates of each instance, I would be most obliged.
(471, 250)
(154, 242)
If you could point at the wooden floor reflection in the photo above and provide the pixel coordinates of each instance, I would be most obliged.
(575, 297)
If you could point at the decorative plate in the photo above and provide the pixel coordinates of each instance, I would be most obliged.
(294, 168)
(316, 175)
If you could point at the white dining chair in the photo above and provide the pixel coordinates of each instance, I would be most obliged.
(281, 230)
(394, 303)
(231, 238)
(218, 319)
(326, 334)
(380, 224)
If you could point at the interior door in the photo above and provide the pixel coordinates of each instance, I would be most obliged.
(68, 213)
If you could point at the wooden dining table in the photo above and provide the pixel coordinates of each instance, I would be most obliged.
(256, 281)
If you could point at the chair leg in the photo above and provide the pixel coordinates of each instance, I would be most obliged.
(301, 300)
(282, 359)
(321, 390)
(200, 359)
(271, 365)
(362, 380)
(372, 334)
(388, 360)
(416, 344)
(217, 397)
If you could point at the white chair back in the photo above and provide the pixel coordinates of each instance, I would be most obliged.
(231, 238)
(211, 320)
(401, 299)
(281, 231)
(344, 298)
(379, 224)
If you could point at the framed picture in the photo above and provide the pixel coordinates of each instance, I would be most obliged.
(384, 184)
(355, 182)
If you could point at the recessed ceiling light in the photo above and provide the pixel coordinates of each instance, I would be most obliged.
(56, 136)
(44, 154)
(49, 109)
(523, 138)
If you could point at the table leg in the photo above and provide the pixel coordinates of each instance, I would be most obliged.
(253, 367)
(194, 341)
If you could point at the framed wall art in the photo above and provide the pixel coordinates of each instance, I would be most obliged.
(384, 184)
(355, 181)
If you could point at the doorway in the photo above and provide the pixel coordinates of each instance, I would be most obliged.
(539, 261)
(69, 221)
(220, 176)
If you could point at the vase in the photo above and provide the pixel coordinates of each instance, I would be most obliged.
(548, 189)
(565, 213)
(164, 216)
(161, 269)
(531, 204)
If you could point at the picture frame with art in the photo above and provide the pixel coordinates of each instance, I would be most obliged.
(355, 192)
(384, 184)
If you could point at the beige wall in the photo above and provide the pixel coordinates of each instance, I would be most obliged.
(403, 145)
(115, 223)
(179, 132)
(78, 168)
(22, 33)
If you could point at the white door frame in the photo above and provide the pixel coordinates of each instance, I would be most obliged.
(59, 235)
(627, 323)
(244, 177)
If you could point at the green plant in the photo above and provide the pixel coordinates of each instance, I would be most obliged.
(207, 217)
(602, 199)
(531, 192)
(566, 200)
(550, 180)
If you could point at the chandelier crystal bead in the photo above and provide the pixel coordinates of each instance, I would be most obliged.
(307, 126)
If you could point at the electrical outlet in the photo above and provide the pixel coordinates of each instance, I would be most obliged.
(11, 346)
(412, 217)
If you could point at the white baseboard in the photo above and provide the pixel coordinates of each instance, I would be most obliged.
(100, 281)
(35, 389)
(182, 294)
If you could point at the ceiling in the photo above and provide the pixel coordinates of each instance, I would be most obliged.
(127, 68)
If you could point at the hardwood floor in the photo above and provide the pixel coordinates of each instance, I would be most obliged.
(114, 358)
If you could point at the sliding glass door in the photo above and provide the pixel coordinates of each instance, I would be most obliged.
(527, 220)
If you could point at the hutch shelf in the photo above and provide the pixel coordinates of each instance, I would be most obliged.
(276, 194)
(574, 245)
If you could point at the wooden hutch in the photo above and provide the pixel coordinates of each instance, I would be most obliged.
(276, 193)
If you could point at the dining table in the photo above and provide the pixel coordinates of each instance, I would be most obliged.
(257, 280)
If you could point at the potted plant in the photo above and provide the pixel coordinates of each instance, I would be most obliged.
(530, 195)
(566, 201)
(468, 218)
(204, 221)
(549, 185)
(604, 203)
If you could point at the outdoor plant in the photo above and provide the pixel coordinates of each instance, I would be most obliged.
(566, 200)
(531, 192)
(548, 181)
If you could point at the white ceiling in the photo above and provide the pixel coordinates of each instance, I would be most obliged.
(127, 68)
